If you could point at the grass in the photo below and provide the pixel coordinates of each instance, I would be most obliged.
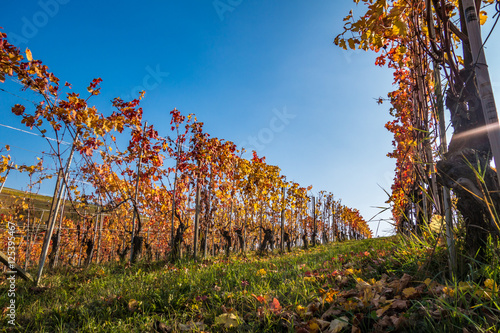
(375, 285)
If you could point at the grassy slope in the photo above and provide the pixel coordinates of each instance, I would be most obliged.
(274, 294)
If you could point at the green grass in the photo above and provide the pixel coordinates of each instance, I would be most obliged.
(160, 297)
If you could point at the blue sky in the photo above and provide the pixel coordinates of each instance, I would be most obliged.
(263, 74)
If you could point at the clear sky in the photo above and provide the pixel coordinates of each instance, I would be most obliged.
(263, 74)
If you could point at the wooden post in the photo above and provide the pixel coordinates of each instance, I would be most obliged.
(12, 265)
(53, 258)
(483, 80)
(100, 237)
(197, 216)
(132, 241)
(209, 215)
(314, 220)
(56, 202)
(283, 220)
(172, 231)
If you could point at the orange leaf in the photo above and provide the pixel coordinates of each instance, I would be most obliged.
(259, 298)
(275, 306)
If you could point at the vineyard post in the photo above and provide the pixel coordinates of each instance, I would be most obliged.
(100, 236)
(132, 255)
(314, 220)
(446, 209)
(56, 247)
(282, 220)
(56, 202)
(260, 229)
(244, 231)
(173, 195)
(483, 80)
(208, 214)
(230, 223)
(197, 214)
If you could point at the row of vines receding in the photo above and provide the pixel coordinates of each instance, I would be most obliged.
(124, 191)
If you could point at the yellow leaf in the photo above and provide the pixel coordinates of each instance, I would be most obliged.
(313, 326)
(482, 17)
(409, 292)
(491, 284)
(300, 309)
(399, 28)
(228, 320)
(381, 311)
(29, 56)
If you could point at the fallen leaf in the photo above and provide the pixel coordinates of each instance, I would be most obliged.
(410, 292)
(381, 311)
(323, 324)
(338, 324)
(133, 305)
(398, 322)
(331, 313)
(399, 304)
(260, 298)
(162, 327)
(228, 320)
(313, 326)
(275, 306)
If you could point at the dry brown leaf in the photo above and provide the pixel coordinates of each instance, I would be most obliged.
(323, 324)
(133, 305)
(404, 281)
(381, 311)
(398, 322)
(382, 324)
(331, 313)
(338, 324)
(399, 304)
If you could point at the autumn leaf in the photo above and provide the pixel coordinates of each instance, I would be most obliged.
(483, 16)
(338, 324)
(275, 306)
(381, 311)
(491, 284)
(313, 326)
(18, 109)
(259, 298)
(29, 56)
(133, 305)
(410, 292)
(228, 320)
